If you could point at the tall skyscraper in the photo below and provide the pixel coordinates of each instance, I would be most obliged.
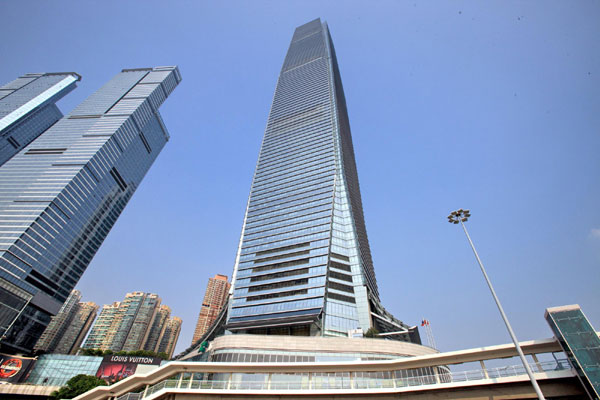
(304, 264)
(139, 322)
(215, 298)
(66, 330)
(61, 194)
(169, 340)
(28, 108)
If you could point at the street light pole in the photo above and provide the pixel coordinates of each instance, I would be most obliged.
(461, 216)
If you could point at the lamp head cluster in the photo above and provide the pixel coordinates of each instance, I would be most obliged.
(459, 215)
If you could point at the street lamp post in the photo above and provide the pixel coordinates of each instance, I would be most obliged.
(461, 216)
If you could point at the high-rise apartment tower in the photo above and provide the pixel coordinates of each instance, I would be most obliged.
(105, 327)
(67, 329)
(62, 193)
(304, 264)
(215, 298)
(169, 339)
(157, 330)
(139, 322)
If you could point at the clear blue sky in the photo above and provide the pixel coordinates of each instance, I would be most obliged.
(492, 106)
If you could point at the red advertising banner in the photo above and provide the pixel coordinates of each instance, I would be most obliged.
(14, 369)
(114, 368)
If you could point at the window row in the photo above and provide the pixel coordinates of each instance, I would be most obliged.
(308, 185)
(287, 228)
(293, 136)
(339, 309)
(276, 287)
(277, 307)
(276, 298)
(301, 212)
(313, 237)
(279, 265)
(302, 155)
(285, 184)
(305, 172)
(292, 206)
(299, 233)
(293, 170)
(313, 191)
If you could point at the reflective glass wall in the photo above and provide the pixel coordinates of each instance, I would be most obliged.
(304, 264)
(61, 194)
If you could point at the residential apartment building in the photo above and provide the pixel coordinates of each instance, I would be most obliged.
(215, 298)
(170, 337)
(139, 322)
(158, 328)
(66, 330)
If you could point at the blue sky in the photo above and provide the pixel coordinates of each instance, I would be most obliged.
(491, 106)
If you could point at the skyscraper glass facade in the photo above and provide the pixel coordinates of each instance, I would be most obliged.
(580, 342)
(304, 264)
(28, 108)
(61, 194)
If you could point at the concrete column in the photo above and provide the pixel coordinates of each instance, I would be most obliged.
(229, 381)
(269, 381)
(180, 380)
(351, 380)
(537, 363)
(146, 391)
(436, 372)
(484, 369)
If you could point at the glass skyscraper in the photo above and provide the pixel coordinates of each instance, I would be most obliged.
(28, 108)
(61, 194)
(304, 264)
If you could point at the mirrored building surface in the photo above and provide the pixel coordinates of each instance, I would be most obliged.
(61, 194)
(304, 264)
(28, 108)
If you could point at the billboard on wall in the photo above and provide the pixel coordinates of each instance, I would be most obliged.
(114, 368)
(14, 369)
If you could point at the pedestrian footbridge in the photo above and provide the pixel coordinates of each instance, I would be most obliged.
(436, 376)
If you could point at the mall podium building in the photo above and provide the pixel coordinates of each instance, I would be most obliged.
(244, 366)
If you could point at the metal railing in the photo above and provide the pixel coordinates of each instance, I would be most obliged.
(309, 382)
